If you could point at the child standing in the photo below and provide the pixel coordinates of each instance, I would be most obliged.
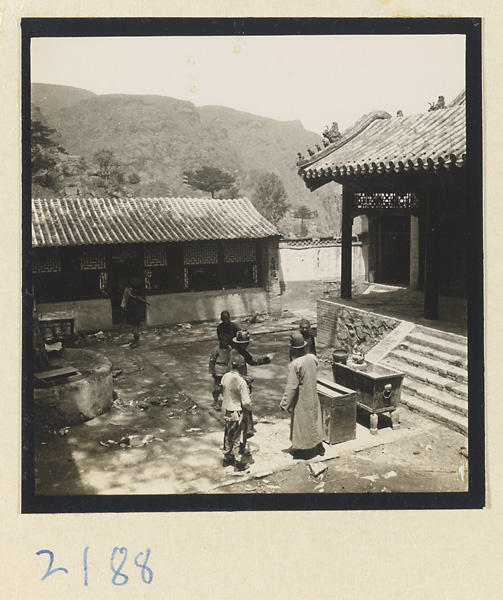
(236, 398)
(219, 361)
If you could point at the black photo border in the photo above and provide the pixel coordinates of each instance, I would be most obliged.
(111, 27)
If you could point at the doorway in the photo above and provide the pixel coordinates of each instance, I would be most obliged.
(393, 250)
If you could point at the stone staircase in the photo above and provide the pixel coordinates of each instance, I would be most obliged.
(435, 368)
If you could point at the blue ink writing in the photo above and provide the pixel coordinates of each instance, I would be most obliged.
(117, 572)
(50, 570)
(86, 550)
(146, 572)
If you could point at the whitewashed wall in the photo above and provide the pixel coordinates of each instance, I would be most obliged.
(318, 263)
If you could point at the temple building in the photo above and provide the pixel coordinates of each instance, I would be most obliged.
(406, 177)
(190, 257)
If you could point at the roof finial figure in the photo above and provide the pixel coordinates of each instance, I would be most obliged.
(332, 134)
(399, 113)
(439, 105)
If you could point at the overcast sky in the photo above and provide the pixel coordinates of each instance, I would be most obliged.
(313, 79)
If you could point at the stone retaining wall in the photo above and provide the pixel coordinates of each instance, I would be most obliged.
(343, 327)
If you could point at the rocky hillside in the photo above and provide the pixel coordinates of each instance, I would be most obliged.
(156, 138)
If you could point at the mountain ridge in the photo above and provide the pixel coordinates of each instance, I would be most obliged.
(157, 137)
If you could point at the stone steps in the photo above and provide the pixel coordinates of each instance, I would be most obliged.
(435, 381)
(433, 365)
(434, 395)
(435, 342)
(456, 360)
(435, 412)
(427, 377)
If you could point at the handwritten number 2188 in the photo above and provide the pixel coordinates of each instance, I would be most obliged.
(116, 565)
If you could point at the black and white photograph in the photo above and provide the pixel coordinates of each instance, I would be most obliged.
(252, 264)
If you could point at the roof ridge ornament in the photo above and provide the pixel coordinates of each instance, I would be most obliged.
(335, 139)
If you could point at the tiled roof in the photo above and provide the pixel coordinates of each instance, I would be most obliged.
(85, 221)
(431, 140)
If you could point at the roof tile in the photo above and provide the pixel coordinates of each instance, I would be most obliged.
(86, 221)
(429, 140)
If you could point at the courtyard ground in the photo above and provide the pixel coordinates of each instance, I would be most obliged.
(162, 435)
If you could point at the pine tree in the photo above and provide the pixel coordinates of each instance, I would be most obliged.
(208, 179)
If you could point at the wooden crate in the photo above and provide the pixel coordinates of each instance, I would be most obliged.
(338, 409)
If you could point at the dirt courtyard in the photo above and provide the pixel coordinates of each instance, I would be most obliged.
(162, 435)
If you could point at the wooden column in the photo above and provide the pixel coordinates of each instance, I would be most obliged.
(414, 253)
(347, 242)
(431, 278)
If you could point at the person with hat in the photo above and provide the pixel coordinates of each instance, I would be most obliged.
(301, 400)
(236, 399)
(307, 334)
(241, 341)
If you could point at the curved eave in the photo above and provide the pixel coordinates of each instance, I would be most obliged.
(314, 178)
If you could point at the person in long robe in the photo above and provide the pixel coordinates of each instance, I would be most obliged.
(301, 400)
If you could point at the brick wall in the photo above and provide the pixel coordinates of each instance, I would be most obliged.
(343, 327)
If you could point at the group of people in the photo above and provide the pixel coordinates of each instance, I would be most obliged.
(232, 387)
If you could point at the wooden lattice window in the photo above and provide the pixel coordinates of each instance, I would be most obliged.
(239, 252)
(200, 253)
(46, 260)
(92, 259)
(155, 255)
(240, 263)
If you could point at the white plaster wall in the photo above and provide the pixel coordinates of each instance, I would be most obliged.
(168, 309)
(316, 264)
(89, 315)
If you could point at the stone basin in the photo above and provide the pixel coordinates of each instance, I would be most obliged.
(75, 398)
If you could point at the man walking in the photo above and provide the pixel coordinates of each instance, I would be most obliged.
(301, 400)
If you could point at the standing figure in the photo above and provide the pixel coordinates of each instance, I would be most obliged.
(301, 401)
(219, 363)
(236, 399)
(227, 326)
(241, 343)
(132, 312)
(307, 334)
